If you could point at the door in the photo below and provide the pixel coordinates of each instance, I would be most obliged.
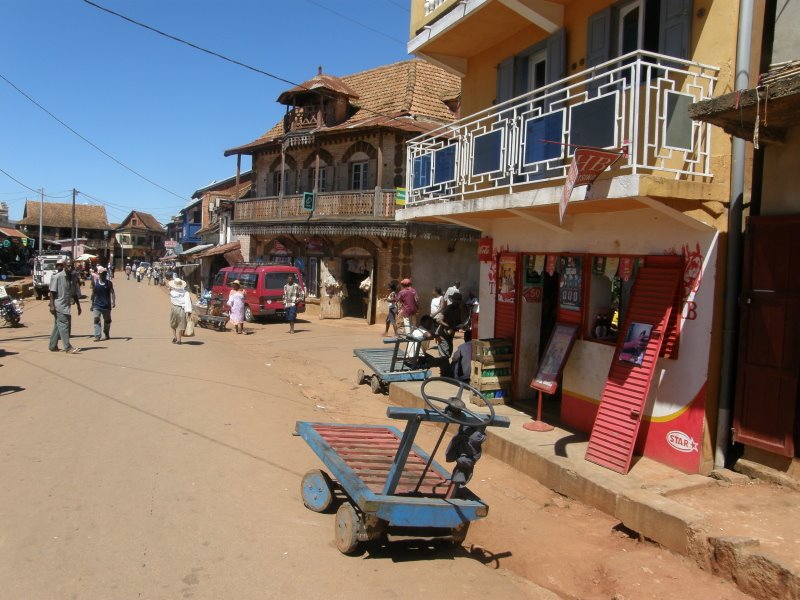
(765, 410)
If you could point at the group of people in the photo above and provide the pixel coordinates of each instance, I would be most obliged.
(153, 274)
(181, 305)
(448, 314)
(65, 291)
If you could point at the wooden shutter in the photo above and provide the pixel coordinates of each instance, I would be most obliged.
(598, 44)
(672, 336)
(556, 66)
(505, 80)
(372, 175)
(625, 392)
(675, 28)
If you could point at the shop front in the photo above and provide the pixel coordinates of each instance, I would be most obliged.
(630, 284)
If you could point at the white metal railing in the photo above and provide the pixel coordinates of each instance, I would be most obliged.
(432, 5)
(640, 100)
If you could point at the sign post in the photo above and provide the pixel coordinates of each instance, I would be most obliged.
(550, 369)
(309, 201)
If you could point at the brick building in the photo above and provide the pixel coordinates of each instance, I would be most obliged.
(343, 139)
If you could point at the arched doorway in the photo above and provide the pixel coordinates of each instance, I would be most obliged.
(358, 273)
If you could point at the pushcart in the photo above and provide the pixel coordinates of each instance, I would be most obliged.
(214, 317)
(389, 485)
(394, 363)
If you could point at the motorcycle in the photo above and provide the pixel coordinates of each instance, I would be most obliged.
(10, 309)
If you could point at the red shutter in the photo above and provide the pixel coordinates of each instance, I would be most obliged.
(620, 413)
(672, 337)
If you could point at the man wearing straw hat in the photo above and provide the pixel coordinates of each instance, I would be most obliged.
(180, 308)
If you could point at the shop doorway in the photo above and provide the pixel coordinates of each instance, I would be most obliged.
(357, 279)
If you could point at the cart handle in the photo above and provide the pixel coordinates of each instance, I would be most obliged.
(425, 414)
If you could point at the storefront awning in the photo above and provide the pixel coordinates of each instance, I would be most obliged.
(231, 251)
(196, 249)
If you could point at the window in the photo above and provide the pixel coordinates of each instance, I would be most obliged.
(322, 180)
(630, 25)
(219, 279)
(359, 172)
(275, 281)
(610, 284)
(196, 216)
(248, 281)
(531, 69)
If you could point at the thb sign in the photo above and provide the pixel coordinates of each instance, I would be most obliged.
(309, 201)
(587, 164)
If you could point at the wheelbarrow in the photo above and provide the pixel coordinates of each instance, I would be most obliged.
(389, 484)
(214, 317)
(392, 364)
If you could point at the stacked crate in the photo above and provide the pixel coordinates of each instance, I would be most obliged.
(492, 361)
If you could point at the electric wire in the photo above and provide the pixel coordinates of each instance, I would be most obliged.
(235, 61)
(398, 5)
(92, 144)
(352, 20)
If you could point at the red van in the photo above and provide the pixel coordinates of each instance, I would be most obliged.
(262, 285)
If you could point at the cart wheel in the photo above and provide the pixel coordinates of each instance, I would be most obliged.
(375, 385)
(459, 534)
(348, 525)
(317, 490)
(360, 377)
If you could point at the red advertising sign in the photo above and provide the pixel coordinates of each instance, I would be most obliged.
(485, 250)
(170, 243)
(550, 265)
(587, 164)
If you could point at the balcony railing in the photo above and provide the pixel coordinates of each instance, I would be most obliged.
(376, 203)
(432, 5)
(640, 100)
(301, 117)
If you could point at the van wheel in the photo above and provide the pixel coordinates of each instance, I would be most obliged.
(248, 314)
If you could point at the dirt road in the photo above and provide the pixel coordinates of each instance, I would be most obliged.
(142, 469)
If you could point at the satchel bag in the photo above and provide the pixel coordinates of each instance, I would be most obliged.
(189, 331)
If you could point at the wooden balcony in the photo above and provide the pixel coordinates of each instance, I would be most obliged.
(300, 118)
(379, 204)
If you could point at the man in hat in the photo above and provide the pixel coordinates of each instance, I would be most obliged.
(292, 296)
(408, 304)
(180, 308)
(63, 292)
(103, 300)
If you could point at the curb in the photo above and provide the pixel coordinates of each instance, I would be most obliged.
(643, 508)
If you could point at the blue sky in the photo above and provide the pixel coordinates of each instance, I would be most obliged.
(160, 107)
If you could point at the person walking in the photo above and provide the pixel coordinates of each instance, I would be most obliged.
(408, 303)
(128, 272)
(236, 306)
(292, 296)
(63, 292)
(391, 317)
(103, 300)
(437, 305)
(453, 289)
(180, 308)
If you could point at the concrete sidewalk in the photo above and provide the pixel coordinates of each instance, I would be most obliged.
(651, 500)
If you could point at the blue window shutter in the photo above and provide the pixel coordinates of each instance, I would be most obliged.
(556, 56)
(598, 43)
(675, 28)
(505, 80)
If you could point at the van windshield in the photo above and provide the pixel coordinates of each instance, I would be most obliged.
(248, 280)
(49, 265)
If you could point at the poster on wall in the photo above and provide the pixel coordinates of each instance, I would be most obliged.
(571, 269)
(532, 278)
(506, 278)
(485, 254)
(554, 357)
(635, 343)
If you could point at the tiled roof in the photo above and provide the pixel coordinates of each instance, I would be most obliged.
(148, 221)
(11, 232)
(404, 95)
(321, 81)
(58, 214)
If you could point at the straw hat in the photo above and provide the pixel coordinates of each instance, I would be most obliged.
(235, 282)
(177, 283)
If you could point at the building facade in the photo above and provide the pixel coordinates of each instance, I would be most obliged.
(140, 237)
(551, 90)
(765, 412)
(91, 225)
(342, 142)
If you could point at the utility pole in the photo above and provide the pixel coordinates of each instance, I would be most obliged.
(74, 226)
(41, 221)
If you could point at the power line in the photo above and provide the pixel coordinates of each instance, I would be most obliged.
(398, 5)
(92, 144)
(355, 22)
(233, 60)
(12, 178)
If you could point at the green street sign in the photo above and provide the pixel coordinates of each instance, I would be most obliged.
(400, 196)
(6, 243)
(309, 201)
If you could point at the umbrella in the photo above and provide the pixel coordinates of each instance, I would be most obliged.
(85, 257)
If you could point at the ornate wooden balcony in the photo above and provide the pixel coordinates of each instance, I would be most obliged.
(378, 204)
(300, 118)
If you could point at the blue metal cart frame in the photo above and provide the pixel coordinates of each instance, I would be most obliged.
(391, 364)
(391, 485)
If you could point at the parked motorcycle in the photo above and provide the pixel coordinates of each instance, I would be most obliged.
(10, 309)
